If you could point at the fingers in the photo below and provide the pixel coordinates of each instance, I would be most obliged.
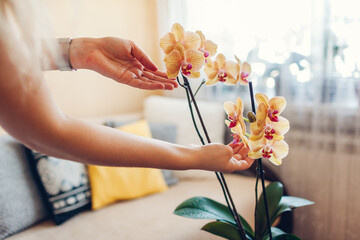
(142, 57)
(159, 76)
(242, 164)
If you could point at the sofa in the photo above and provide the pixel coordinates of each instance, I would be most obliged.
(146, 217)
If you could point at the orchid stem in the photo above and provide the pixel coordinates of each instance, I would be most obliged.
(246, 119)
(260, 173)
(220, 176)
(201, 84)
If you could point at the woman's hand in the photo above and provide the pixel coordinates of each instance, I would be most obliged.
(119, 59)
(222, 158)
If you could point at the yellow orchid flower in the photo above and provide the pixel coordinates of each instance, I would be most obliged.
(264, 127)
(206, 46)
(189, 40)
(221, 70)
(239, 133)
(275, 151)
(244, 72)
(237, 124)
(189, 61)
(235, 112)
(274, 106)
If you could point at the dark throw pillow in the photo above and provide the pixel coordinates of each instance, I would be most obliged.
(64, 184)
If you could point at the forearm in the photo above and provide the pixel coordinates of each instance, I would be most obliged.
(94, 144)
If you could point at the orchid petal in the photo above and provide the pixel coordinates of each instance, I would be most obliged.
(196, 58)
(261, 114)
(210, 72)
(277, 103)
(231, 68)
(211, 47)
(230, 80)
(277, 137)
(280, 148)
(256, 137)
(191, 40)
(239, 106)
(178, 31)
(281, 127)
(173, 61)
(256, 131)
(220, 59)
(195, 75)
(242, 82)
(275, 161)
(261, 98)
(202, 38)
(229, 108)
(180, 48)
(238, 60)
(167, 43)
(246, 67)
(255, 154)
(211, 82)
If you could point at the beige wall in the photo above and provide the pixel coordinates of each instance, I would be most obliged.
(88, 94)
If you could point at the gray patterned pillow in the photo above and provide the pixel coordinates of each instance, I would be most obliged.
(64, 184)
(21, 205)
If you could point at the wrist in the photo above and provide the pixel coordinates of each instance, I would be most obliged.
(63, 60)
(188, 157)
(80, 52)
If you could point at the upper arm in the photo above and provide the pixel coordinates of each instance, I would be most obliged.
(27, 110)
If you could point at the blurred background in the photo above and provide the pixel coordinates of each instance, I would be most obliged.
(307, 51)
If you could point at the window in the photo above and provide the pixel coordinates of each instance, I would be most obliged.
(306, 50)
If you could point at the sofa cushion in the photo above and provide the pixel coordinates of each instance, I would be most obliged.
(111, 184)
(160, 131)
(20, 203)
(151, 217)
(64, 185)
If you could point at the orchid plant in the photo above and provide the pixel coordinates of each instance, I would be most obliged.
(186, 54)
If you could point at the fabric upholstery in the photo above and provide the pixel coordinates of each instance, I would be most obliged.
(160, 131)
(150, 217)
(111, 184)
(20, 203)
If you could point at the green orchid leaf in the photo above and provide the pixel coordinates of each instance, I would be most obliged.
(274, 193)
(205, 208)
(274, 232)
(295, 202)
(288, 203)
(224, 230)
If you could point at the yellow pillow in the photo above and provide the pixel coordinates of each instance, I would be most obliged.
(111, 184)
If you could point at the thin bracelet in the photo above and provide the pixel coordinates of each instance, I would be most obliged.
(63, 61)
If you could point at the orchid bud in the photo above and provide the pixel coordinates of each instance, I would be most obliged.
(251, 116)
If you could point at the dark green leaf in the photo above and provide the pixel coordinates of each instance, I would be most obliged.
(205, 208)
(274, 192)
(222, 229)
(274, 232)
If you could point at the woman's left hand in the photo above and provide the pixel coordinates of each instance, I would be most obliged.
(119, 59)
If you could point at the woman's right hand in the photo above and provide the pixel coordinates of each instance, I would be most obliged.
(225, 158)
